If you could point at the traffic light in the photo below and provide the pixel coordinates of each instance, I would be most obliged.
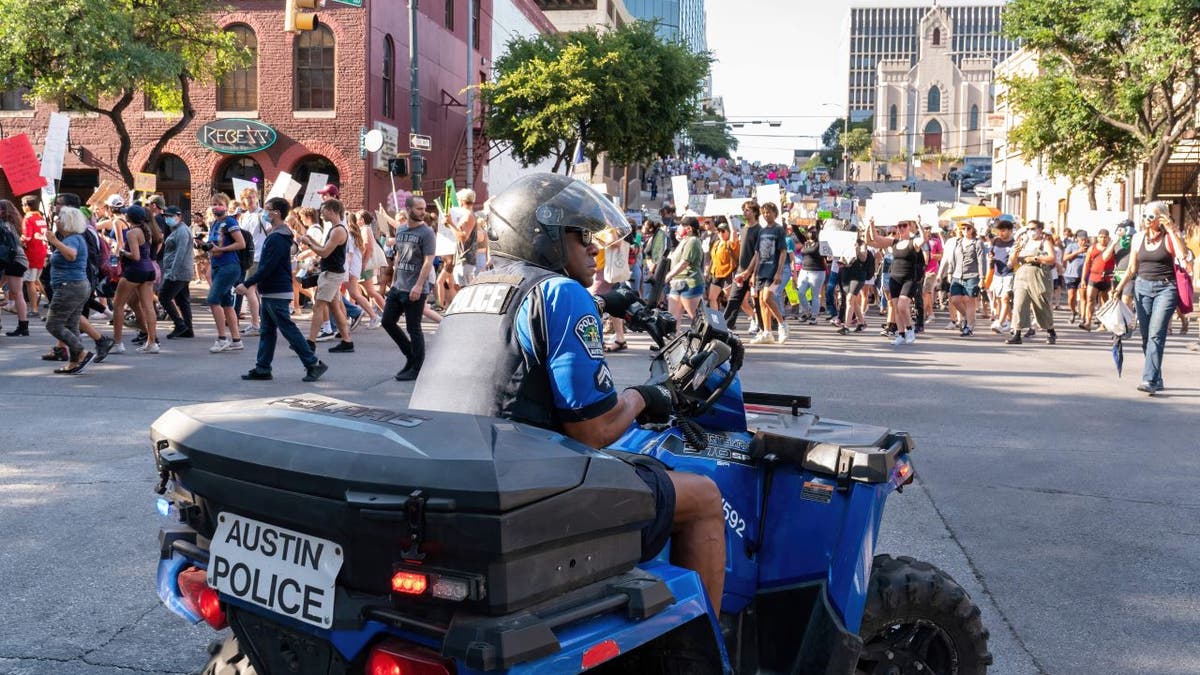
(398, 166)
(296, 19)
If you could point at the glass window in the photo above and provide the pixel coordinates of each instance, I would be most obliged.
(238, 90)
(973, 118)
(14, 99)
(933, 102)
(892, 118)
(389, 76)
(314, 69)
(450, 15)
(475, 20)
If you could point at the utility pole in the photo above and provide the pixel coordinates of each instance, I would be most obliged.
(846, 148)
(470, 94)
(417, 162)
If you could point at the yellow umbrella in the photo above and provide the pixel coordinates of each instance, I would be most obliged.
(963, 211)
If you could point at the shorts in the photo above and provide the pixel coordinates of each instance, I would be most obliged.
(855, 286)
(1072, 283)
(656, 534)
(902, 288)
(329, 285)
(224, 278)
(136, 276)
(1102, 286)
(1002, 284)
(685, 292)
(967, 287)
(763, 284)
(367, 275)
(464, 274)
(32, 274)
(721, 282)
(930, 283)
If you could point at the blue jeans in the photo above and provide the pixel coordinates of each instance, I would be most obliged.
(1155, 302)
(224, 278)
(831, 285)
(274, 314)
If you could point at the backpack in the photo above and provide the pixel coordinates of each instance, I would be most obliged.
(99, 263)
(8, 247)
(246, 253)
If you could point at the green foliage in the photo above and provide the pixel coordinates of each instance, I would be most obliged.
(97, 54)
(857, 142)
(626, 92)
(1117, 84)
(710, 136)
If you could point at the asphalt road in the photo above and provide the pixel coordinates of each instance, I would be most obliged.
(1062, 499)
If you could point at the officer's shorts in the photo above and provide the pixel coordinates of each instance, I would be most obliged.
(656, 534)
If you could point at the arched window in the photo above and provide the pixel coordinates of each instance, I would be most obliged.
(314, 69)
(174, 181)
(933, 103)
(937, 37)
(892, 118)
(389, 76)
(973, 118)
(238, 90)
(310, 165)
(933, 136)
(245, 168)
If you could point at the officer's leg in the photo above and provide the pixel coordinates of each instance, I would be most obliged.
(698, 531)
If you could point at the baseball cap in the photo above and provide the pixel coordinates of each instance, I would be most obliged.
(173, 211)
(330, 190)
(135, 214)
(156, 200)
(114, 201)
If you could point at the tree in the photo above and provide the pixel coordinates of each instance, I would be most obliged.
(1128, 74)
(857, 142)
(626, 92)
(710, 136)
(96, 55)
(831, 140)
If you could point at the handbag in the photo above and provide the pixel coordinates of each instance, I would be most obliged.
(1183, 281)
(616, 264)
(1116, 317)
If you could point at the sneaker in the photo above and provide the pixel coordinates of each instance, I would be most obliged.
(951, 325)
(1014, 339)
(910, 336)
(256, 374)
(1051, 337)
(860, 328)
(140, 339)
(408, 374)
(342, 347)
(899, 341)
(354, 321)
(373, 324)
(235, 346)
(886, 333)
(1147, 388)
(117, 348)
(218, 346)
(996, 326)
(812, 321)
(148, 348)
(753, 329)
(763, 338)
(312, 346)
(83, 363)
(325, 335)
(314, 372)
(250, 331)
(843, 331)
(103, 346)
(783, 333)
(966, 332)
(181, 333)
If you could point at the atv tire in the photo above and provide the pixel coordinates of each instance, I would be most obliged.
(919, 621)
(227, 658)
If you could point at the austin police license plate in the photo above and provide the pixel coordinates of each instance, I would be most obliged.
(281, 570)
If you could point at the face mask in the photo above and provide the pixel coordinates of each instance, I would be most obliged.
(172, 221)
(266, 220)
(218, 211)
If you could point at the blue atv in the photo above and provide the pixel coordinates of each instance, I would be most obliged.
(332, 537)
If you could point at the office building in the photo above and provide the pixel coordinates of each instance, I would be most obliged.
(893, 33)
(678, 20)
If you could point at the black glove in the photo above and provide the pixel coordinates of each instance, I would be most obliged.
(660, 403)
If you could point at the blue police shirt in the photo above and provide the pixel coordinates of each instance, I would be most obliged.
(579, 377)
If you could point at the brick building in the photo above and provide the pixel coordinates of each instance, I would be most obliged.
(317, 91)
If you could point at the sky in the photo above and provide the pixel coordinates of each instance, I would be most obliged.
(785, 61)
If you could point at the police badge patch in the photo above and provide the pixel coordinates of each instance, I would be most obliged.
(587, 330)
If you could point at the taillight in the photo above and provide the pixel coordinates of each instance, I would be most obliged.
(201, 598)
(599, 653)
(397, 658)
(412, 583)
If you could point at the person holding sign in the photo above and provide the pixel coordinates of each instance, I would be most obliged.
(905, 273)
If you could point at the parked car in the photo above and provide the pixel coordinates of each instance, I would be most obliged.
(969, 182)
(983, 190)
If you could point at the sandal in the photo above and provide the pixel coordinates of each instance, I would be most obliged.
(55, 354)
(616, 346)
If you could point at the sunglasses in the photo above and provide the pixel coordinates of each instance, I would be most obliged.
(1148, 216)
(585, 235)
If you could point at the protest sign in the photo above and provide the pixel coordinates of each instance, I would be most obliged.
(284, 186)
(48, 197)
(679, 191)
(767, 194)
(104, 191)
(889, 208)
(927, 214)
(447, 243)
(21, 165)
(54, 150)
(146, 182)
(840, 243)
(239, 185)
(723, 207)
(316, 181)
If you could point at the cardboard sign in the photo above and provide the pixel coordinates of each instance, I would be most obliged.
(447, 243)
(840, 243)
(723, 207)
(21, 165)
(767, 194)
(104, 191)
(679, 191)
(316, 181)
(54, 151)
(145, 182)
(239, 185)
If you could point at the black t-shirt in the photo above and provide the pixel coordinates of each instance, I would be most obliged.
(811, 258)
(748, 246)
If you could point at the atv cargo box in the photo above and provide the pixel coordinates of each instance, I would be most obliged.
(520, 513)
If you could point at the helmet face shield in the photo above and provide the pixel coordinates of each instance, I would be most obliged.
(578, 207)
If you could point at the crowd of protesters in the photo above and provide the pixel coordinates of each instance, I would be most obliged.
(263, 266)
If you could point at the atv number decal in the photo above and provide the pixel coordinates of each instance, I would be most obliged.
(732, 519)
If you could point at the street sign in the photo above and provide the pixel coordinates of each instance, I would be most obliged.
(419, 142)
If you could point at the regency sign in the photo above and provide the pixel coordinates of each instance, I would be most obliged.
(236, 136)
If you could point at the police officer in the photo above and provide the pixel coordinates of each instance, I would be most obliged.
(525, 342)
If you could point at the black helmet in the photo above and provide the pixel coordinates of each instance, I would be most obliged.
(526, 221)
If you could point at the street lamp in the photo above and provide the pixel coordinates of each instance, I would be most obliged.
(845, 135)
